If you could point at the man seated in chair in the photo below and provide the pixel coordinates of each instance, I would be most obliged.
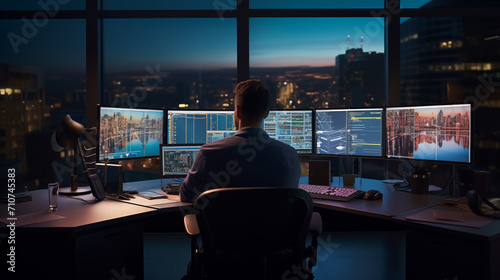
(250, 158)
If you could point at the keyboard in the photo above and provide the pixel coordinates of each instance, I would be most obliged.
(331, 193)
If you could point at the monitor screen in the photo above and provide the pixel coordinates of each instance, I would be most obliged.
(292, 127)
(176, 160)
(199, 127)
(126, 133)
(437, 133)
(349, 132)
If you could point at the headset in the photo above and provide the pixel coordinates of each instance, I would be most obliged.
(475, 205)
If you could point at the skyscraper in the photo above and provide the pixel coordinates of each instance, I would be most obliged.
(360, 78)
(22, 111)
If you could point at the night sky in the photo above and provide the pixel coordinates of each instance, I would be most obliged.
(133, 44)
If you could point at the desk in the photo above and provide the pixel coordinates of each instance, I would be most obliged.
(433, 251)
(393, 202)
(90, 239)
(440, 251)
(172, 203)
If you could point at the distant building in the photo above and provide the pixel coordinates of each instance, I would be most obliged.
(446, 59)
(22, 111)
(456, 60)
(287, 94)
(361, 80)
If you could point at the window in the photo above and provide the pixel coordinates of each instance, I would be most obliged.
(42, 63)
(190, 54)
(443, 4)
(171, 63)
(454, 60)
(315, 4)
(44, 6)
(319, 62)
(169, 5)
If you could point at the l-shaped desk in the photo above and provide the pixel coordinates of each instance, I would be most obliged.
(104, 240)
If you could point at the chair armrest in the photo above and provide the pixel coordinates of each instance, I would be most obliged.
(316, 224)
(191, 224)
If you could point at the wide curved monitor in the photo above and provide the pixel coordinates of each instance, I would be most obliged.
(129, 133)
(293, 127)
(433, 133)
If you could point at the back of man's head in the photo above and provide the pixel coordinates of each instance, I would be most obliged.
(253, 98)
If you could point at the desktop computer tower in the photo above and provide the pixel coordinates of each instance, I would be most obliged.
(320, 172)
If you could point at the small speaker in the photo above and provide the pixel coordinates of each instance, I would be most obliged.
(111, 177)
(96, 187)
(320, 172)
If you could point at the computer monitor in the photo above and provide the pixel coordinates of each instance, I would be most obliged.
(433, 133)
(292, 127)
(199, 126)
(176, 159)
(128, 133)
(349, 132)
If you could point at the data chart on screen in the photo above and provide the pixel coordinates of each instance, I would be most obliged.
(292, 127)
(199, 127)
(176, 160)
(349, 132)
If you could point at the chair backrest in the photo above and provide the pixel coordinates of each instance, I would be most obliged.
(251, 222)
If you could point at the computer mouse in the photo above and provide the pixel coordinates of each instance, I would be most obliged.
(372, 195)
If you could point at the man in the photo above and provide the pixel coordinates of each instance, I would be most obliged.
(250, 158)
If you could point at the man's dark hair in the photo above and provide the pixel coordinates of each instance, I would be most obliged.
(253, 97)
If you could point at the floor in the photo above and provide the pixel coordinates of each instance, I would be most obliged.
(341, 256)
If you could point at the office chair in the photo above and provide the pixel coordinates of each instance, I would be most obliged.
(252, 233)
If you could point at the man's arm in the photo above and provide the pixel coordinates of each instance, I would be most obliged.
(194, 182)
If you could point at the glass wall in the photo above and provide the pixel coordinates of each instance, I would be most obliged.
(316, 4)
(51, 7)
(171, 63)
(319, 62)
(455, 60)
(174, 54)
(42, 78)
(169, 5)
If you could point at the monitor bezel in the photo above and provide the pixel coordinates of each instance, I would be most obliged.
(99, 107)
(170, 176)
(471, 134)
(382, 135)
(312, 128)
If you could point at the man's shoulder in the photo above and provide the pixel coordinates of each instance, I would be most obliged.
(221, 144)
(282, 146)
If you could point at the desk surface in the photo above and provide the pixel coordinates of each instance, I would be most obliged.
(488, 232)
(78, 215)
(393, 203)
(172, 203)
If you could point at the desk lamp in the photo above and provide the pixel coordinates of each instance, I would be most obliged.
(68, 134)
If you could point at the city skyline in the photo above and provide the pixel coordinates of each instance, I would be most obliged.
(59, 46)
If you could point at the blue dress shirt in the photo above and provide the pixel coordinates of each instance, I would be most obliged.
(250, 158)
